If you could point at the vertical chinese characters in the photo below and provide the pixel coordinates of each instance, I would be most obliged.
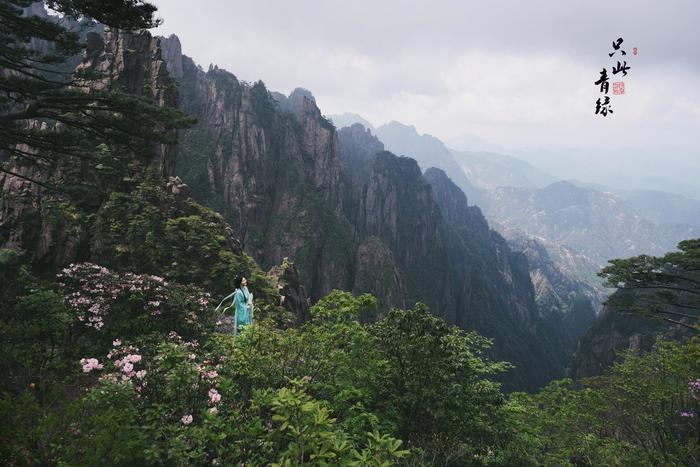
(603, 104)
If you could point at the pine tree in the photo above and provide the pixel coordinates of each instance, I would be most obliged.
(666, 287)
(49, 111)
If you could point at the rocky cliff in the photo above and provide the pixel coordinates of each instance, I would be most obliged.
(131, 216)
(495, 290)
(355, 217)
(349, 215)
(31, 217)
(570, 305)
(273, 173)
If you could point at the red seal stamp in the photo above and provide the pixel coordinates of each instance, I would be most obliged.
(618, 87)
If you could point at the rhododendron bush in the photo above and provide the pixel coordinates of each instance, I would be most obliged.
(114, 304)
(190, 403)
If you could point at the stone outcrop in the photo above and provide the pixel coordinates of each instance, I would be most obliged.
(570, 304)
(274, 174)
(293, 294)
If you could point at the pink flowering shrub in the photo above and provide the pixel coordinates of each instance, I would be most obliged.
(178, 371)
(133, 304)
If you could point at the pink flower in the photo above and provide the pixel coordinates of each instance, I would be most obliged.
(186, 419)
(141, 374)
(128, 367)
(694, 388)
(117, 343)
(214, 396)
(212, 374)
(133, 358)
(90, 364)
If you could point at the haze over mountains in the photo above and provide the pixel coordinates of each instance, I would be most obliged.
(581, 225)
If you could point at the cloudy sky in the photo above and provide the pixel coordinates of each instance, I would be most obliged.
(516, 73)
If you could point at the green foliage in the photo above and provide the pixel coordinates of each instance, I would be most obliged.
(106, 427)
(126, 367)
(434, 386)
(324, 393)
(148, 230)
(643, 411)
(33, 329)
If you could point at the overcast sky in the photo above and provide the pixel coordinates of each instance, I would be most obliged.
(517, 73)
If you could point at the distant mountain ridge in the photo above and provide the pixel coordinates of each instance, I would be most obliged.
(348, 119)
(490, 170)
(588, 221)
(428, 151)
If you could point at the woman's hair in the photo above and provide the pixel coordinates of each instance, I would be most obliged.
(237, 281)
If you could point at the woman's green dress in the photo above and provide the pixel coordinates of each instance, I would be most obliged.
(244, 316)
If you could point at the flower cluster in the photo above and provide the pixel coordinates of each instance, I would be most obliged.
(92, 290)
(207, 373)
(177, 338)
(90, 364)
(125, 360)
(694, 388)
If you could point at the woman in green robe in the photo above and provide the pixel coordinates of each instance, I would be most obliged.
(243, 302)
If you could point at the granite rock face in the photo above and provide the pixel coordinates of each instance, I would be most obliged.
(31, 217)
(570, 304)
(274, 174)
(132, 62)
(376, 272)
(31, 220)
(171, 52)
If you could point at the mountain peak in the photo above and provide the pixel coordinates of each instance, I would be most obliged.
(299, 100)
(347, 119)
(300, 94)
(396, 125)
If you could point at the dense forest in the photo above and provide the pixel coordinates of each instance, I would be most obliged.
(111, 348)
